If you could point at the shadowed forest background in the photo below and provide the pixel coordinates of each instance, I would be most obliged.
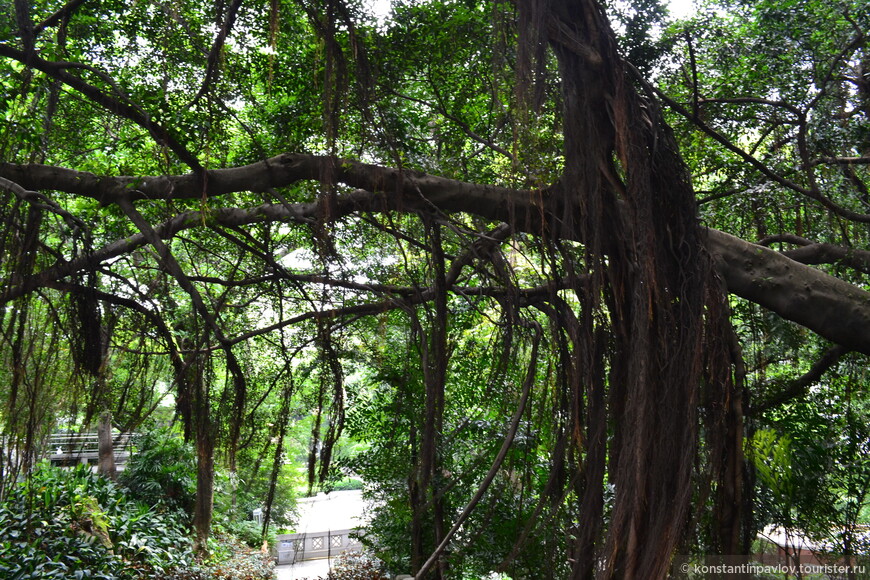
(572, 287)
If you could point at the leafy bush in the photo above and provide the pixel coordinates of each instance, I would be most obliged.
(250, 533)
(238, 495)
(162, 471)
(356, 566)
(75, 524)
(230, 560)
(346, 484)
(236, 561)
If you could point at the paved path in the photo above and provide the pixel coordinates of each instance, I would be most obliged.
(339, 510)
(310, 569)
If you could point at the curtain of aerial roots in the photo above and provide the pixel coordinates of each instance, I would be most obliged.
(19, 239)
(648, 309)
(330, 407)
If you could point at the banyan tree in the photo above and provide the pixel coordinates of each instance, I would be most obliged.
(163, 162)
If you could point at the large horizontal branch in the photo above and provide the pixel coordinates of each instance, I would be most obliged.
(831, 254)
(834, 309)
(280, 171)
(809, 252)
(842, 161)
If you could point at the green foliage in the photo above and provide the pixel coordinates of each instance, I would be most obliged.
(772, 459)
(387, 417)
(236, 497)
(439, 88)
(346, 484)
(74, 524)
(356, 566)
(162, 471)
(636, 24)
(249, 532)
(828, 461)
(779, 81)
(238, 561)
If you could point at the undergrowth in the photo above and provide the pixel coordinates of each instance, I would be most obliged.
(72, 523)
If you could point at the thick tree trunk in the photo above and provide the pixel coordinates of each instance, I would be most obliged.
(204, 436)
(194, 406)
(202, 509)
(417, 501)
(730, 503)
(106, 465)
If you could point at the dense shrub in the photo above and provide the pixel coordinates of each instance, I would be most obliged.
(231, 560)
(356, 566)
(250, 533)
(65, 523)
(238, 495)
(162, 471)
(346, 484)
(241, 562)
(75, 524)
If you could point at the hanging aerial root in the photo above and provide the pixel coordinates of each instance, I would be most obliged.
(643, 247)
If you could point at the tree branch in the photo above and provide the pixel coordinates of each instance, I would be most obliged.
(211, 72)
(799, 387)
(811, 252)
(828, 306)
(65, 12)
(834, 309)
(57, 71)
(842, 161)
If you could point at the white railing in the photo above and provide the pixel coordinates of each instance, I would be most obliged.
(290, 548)
(66, 449)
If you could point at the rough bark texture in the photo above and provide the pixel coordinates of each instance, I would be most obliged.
(106, 449)
(830, 307)
(194, 406)
(203, 508)
(626, 194)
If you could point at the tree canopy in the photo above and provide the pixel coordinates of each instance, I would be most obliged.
(584, 256)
